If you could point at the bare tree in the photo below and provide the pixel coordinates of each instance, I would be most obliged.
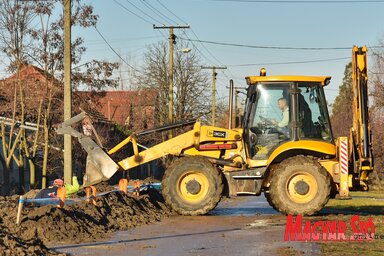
(377, 77)
(15, 19)
(191, 96)
(48, 47)
(10, 139)
(42, 46)
(377, 109)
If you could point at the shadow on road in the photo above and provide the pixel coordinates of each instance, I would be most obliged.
(142, 239)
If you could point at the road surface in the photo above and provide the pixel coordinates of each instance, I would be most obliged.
(241, 226)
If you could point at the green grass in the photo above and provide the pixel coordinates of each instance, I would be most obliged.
(365, 205)
(361, 202)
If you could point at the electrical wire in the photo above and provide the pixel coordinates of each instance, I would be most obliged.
(275, 47)
(194, 45)
(125, 8)
(153, 20)
(140, 10)
(185, 34)
(117, 54)
(165, 18)
(302, 1)
(166, 8)
(289, 62)
(96, 42)
(157, 12)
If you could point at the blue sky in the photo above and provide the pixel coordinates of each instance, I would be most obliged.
(298, 25)
(324, 25)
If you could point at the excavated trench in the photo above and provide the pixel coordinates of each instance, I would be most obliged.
(75, 223)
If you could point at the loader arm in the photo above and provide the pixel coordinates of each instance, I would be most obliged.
(361, 138)
(173, 146)
(201, 140)
(207, 141)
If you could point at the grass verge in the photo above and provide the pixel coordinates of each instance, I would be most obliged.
(365, 205)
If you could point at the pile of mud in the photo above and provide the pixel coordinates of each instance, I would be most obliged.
(13, 245)
(80, 222)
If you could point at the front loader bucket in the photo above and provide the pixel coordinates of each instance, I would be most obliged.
(99, 166)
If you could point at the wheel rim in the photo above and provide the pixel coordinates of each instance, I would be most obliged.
(193, 187)
(302, 187)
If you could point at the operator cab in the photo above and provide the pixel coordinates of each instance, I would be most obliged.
(284, 108)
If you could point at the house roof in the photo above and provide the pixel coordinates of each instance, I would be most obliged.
(31, 72)
(124, 107)
(132, 108)
(34, 82)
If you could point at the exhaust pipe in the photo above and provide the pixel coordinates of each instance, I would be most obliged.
(230, 104)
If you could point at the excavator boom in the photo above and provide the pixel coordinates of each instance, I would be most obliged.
(361, 137)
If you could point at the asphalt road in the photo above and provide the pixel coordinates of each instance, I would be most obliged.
(241, 226)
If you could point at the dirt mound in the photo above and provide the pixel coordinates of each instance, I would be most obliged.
(80, 222)
(10, 242)
(13, 245)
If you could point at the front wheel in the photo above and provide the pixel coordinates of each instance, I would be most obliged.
(269, 200)
(299, 186)
(192, 186)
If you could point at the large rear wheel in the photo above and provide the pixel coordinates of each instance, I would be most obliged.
(192, 186)
(299, 186)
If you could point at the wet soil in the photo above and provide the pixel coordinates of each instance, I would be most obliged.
(76, 223)
(238, 226)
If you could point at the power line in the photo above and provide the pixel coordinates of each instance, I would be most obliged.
(289, 62)
(197, 48)
(125, 8)
(118, 55)
(146, 14)
(194, 45)
(94, 42)
(261, 64)
(165, 7)
(275, 47)
(302, 1)
(157, 12)
(198, 40)
(206, 49)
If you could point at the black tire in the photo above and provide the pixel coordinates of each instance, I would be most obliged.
(192, 186)
(299, 186)
(269, 200)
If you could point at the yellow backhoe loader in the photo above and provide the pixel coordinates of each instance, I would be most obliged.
(285, 149)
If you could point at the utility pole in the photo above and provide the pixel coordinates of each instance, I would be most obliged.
(214, 74)
(172, 41)
(67, 91)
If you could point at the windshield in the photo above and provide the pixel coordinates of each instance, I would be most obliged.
(281, 112)
(269, 118)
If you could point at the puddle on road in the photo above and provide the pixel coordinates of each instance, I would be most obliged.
(261, 223)
(241, 211)
(247, 206)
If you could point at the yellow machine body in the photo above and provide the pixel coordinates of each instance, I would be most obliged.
(296, 165)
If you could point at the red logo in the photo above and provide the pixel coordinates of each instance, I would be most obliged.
(329, 230)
